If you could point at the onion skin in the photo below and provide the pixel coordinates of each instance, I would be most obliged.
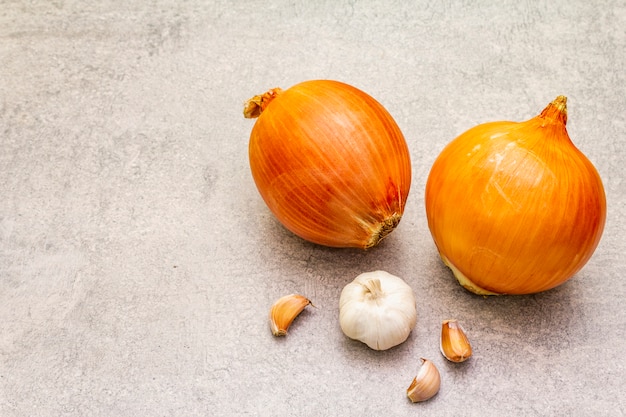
(330, 163)
(515, 208)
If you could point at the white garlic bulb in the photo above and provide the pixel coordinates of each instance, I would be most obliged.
(378, 309)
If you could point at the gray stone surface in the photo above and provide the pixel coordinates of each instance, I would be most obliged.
(138, 262)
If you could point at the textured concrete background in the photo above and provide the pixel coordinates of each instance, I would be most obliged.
(138, 262)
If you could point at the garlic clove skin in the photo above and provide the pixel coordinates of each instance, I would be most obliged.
(378, 309)
(284, 311)
(454, 344)
(426, 384)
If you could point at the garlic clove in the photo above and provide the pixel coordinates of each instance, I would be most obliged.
(426, 384)
(284, 311)
(454, 343)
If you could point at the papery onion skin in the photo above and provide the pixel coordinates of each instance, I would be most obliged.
(515, 208)
(330, 163)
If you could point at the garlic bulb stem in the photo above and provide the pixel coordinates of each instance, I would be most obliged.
(374, 288)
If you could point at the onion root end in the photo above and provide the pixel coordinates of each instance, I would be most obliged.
(383, 229)
(465, 281)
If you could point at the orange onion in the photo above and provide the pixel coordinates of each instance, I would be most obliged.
(515, 208)
(330, 162)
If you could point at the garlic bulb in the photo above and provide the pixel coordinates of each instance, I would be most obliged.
(378, 309)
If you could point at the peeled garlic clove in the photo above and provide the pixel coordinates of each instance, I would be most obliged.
(426, 384)
(378, 309)
(454, 343)
(284, 311)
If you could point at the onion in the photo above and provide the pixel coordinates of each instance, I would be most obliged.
(515, 208)
(330, 162)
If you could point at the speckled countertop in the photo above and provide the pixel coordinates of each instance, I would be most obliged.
(138, 261)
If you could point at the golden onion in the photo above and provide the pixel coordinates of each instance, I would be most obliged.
(515, 208)
(330, 162)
